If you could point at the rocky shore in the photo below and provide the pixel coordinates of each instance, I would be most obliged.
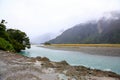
(14, 66)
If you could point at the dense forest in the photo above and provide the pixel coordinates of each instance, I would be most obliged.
(105, 30)
(12, 39)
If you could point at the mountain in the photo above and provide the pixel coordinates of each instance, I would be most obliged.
(105, 30)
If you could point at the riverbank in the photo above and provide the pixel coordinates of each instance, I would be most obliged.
(14, 66)
(105, 51)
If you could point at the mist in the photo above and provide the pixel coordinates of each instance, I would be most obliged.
(40, 17)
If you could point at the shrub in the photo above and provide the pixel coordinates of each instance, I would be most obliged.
(46, 43)
(5, 45)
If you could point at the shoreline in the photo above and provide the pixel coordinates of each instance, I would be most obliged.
(103, 51)
(14, 66)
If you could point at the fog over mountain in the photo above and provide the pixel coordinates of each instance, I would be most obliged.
(97, 25)
(39, 17)
(105, 30)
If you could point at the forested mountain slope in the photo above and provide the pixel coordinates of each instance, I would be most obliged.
(101, 31)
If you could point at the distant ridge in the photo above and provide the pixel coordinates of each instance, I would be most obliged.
(105, 30)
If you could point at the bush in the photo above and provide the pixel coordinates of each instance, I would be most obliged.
(17, 46)
(5, 45)
(46, 43)
(13, 39)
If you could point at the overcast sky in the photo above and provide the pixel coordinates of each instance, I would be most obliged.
(37, 17)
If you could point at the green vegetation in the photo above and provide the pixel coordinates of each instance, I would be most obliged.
(5, 45)
(46, 43)
(12, 39)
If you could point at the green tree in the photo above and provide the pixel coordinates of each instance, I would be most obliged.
(2, 27)
(12, 39)
(3, 33)
(5, 45)
(19, 39)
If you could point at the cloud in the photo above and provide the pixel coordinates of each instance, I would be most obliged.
(42, 16)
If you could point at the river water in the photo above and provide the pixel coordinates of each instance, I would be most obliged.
(76, 58)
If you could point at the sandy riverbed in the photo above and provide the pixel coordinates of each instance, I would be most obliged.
(106, 51)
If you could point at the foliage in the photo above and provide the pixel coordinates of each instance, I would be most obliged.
(2, 27)
(5, 45)
(3, 32)
(46, 43)
(16, 38)
(19, 39)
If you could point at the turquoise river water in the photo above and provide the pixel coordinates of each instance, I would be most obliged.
(76, 58)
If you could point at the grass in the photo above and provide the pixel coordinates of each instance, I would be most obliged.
(86, 45)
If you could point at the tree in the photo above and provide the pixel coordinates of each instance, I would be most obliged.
(47, 43)
(12, 39)
(19, 39)
(2, 27)
(5, 45)
(3, 33)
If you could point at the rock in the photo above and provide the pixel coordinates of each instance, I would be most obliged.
(61, 66)
(32, 59)
(38, 58)
(45, 59)
(63, 63)
(18, 67)
(47, 64)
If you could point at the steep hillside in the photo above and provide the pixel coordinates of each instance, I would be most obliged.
(103, 31)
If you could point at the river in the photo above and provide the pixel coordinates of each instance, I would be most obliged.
(76, 58)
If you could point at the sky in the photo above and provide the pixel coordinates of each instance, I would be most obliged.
(38, 17)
